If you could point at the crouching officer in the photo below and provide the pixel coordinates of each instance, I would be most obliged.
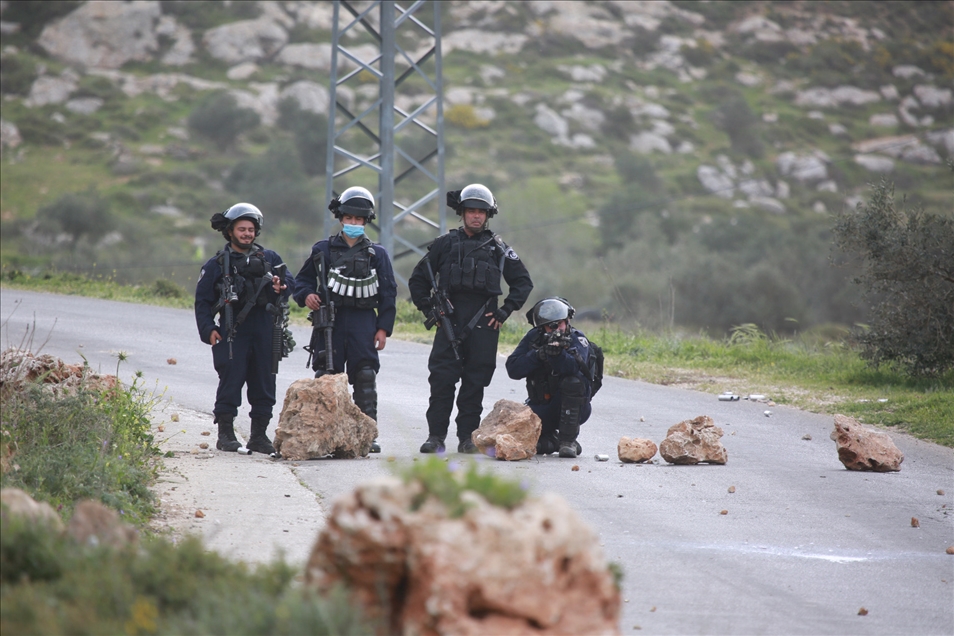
(555, 360)
(459, 278)
(241, 283)
(353, 280)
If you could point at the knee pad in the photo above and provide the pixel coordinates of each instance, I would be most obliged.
(364, 378)
(571, 387)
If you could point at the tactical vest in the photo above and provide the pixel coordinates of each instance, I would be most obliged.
(474, 264)
(251, 274)
(352, 281)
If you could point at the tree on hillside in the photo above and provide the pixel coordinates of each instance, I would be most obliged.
(907, 275)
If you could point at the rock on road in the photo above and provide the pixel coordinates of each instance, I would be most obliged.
(804, 544)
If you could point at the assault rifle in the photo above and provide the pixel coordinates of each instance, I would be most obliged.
(278, 312)
(225, 301)
(440, 311)
(322, 320)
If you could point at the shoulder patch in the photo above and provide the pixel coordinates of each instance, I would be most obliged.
(583, 341)
(201, 274)
(511, 254)
(371, 251)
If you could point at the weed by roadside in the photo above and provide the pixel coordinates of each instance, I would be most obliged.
(88, 443)
(50, 585)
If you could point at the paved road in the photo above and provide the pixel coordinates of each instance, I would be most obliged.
(804, 546)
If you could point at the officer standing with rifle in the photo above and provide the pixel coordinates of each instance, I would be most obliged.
(456, 286)
(559, 364)
(348, 283)
(239, 284)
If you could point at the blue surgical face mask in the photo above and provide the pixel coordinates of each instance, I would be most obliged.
(353, 231)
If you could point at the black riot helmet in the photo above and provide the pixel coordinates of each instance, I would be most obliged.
(356, 201)
(549, 311)
(475, 196)
(223, 221)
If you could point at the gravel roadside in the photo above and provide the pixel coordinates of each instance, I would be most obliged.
(246, 507)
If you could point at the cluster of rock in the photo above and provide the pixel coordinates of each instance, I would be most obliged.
(21, 367)
(695, 441)
(319, 419)
(92, 524)
(534, 569)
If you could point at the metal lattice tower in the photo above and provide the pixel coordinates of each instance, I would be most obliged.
(397, 145)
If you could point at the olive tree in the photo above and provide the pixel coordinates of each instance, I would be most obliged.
(907, 275)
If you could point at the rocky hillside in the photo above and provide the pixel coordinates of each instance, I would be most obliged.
(669, 163)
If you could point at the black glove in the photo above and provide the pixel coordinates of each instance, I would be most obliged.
(541, 353)
(424, 306)
(501, 315)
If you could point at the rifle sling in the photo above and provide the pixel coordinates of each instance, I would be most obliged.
(473, 321)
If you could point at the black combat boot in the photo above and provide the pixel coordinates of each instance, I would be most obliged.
(433, 444)
(366, 398)
(258, 441)
(547, 443)
(226, 441)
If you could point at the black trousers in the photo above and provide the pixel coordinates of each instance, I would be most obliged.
(250, 367)
(474, 371)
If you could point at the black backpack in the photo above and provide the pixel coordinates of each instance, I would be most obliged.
(595, 362)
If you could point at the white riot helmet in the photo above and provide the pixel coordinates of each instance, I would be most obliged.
(550, 311)
(222, 221)
(475, 196)
(356, 201)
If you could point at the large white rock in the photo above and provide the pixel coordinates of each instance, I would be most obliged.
(48, 89)
(713, 180)
(311, 97)
(245, 40)
(932, 96)
(589, 118)
(906, 71)
(84, 105)
(756, 188)
(182, 49)
(478, 41)
(309, 55)
(648, 142)
(9, 134)
(769, 204)
(104, 34)
(831, 98)
(800, 167)
(875, 163)
(884, 120)
(943, 138)
(551, 122)
(592, 73)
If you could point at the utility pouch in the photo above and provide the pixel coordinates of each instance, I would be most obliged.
(455, 277)
(480, 276)
(467, 273)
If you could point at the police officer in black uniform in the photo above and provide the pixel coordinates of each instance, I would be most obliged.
(468, 264)
(240, 283)
(555, 359)
(360, 282)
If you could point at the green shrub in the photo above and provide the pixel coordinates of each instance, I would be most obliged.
(167, 289)
(50, 585)
(33, 15)
(77, 214)
(310, 131)
(276, 183)
(908, 277)
(88, 445)
(219, 118)
(446, 481)
(16, 75)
